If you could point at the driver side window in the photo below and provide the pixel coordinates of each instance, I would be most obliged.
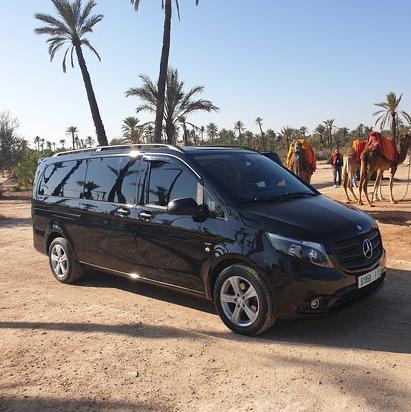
(168, 181)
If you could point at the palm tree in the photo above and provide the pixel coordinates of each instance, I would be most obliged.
(250, 139)
(202, 130)
(239, 128)
(37, 142)
(70, 29)
(131, 130)
(321, 131)
(329, 126)
(259, 122)
(89, 141)
(42, 144)
(302, 131)
(183, 121)
(288, 134)
(212, 131)
(72, 132)
(148, 133)
(177, 104)
(48, 145)
(165, 52)
(187, 134)
(54, 146)
(359, 131)
(389, 112)
(343, 133)
(62, 142)
(271, 139)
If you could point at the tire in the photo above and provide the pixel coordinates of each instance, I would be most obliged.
(63, 264)
(243, 301)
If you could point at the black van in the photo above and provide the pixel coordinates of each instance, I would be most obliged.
(225, 223)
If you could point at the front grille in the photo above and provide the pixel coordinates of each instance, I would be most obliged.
(349, 252)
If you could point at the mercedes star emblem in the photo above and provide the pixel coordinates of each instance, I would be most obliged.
(367, 249)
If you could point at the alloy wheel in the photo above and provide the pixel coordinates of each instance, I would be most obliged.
(239, 301)
(59, 261)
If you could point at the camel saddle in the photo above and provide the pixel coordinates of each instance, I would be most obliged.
(309, 153)
(385, 146)
(358, 147)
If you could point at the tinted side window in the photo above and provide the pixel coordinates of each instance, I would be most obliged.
(63, 179)
(169, 181)
(111, 179)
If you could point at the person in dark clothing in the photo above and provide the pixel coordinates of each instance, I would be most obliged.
(337, 163)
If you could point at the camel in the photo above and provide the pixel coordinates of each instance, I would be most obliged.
(298, 162)
(372, 161)
(348, 173)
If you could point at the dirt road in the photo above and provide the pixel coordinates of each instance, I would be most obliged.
(111, 344)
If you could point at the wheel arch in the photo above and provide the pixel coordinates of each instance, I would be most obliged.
(214, 270)
(54, 232)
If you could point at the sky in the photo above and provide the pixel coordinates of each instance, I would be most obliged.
(294, 62)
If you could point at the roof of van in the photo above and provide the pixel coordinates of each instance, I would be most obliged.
(163, 148)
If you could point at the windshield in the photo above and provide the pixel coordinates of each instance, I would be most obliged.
(249, 176)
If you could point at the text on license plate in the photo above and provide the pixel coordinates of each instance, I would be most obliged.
(369, 277)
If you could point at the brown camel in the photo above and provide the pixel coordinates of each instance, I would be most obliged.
(348, 173)
(299, 164)
(372, 161)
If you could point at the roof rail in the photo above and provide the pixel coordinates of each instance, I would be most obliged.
(229, 146)
(121, 146)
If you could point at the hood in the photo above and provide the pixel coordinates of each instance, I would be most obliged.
(317, 219)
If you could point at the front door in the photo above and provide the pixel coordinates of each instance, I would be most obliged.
(171, 249)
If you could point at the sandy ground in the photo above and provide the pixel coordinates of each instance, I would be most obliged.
(111, 344)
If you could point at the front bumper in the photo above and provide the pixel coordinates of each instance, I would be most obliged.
(335, 290)
(340, 299)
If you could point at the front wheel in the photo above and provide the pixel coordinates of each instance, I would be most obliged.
(243, 300)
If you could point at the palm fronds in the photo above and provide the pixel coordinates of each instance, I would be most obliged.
(178, 104)
(69, 29)
(389, 113)
(136, 5)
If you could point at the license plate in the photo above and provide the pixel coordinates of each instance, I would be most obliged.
(369, 277)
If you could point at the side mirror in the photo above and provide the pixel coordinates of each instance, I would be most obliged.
(185, 206)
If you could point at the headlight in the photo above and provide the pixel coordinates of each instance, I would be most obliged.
(307, 251)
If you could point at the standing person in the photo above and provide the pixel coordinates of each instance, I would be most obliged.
(337, 162)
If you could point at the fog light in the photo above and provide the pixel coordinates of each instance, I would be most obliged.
(315, 303)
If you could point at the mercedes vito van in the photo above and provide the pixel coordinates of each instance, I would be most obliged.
(225, 223)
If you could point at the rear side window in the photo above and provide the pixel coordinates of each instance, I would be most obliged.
(111, 179)
(63, 179)
(169, 181)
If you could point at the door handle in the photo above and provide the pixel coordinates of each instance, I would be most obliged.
(145, 215)
(122, 211)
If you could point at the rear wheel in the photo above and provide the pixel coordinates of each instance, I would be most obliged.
(63, 264)
(243, 300)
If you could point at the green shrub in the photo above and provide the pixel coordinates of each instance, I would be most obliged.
(25, 170)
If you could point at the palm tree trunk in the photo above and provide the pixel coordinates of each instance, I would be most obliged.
(394, 126)
(162, 78)
(98, 124)
(170, 132)
(185, 135)
(263, 144)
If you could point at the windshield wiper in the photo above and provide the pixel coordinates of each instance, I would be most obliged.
(290, 195)
(299, 194)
